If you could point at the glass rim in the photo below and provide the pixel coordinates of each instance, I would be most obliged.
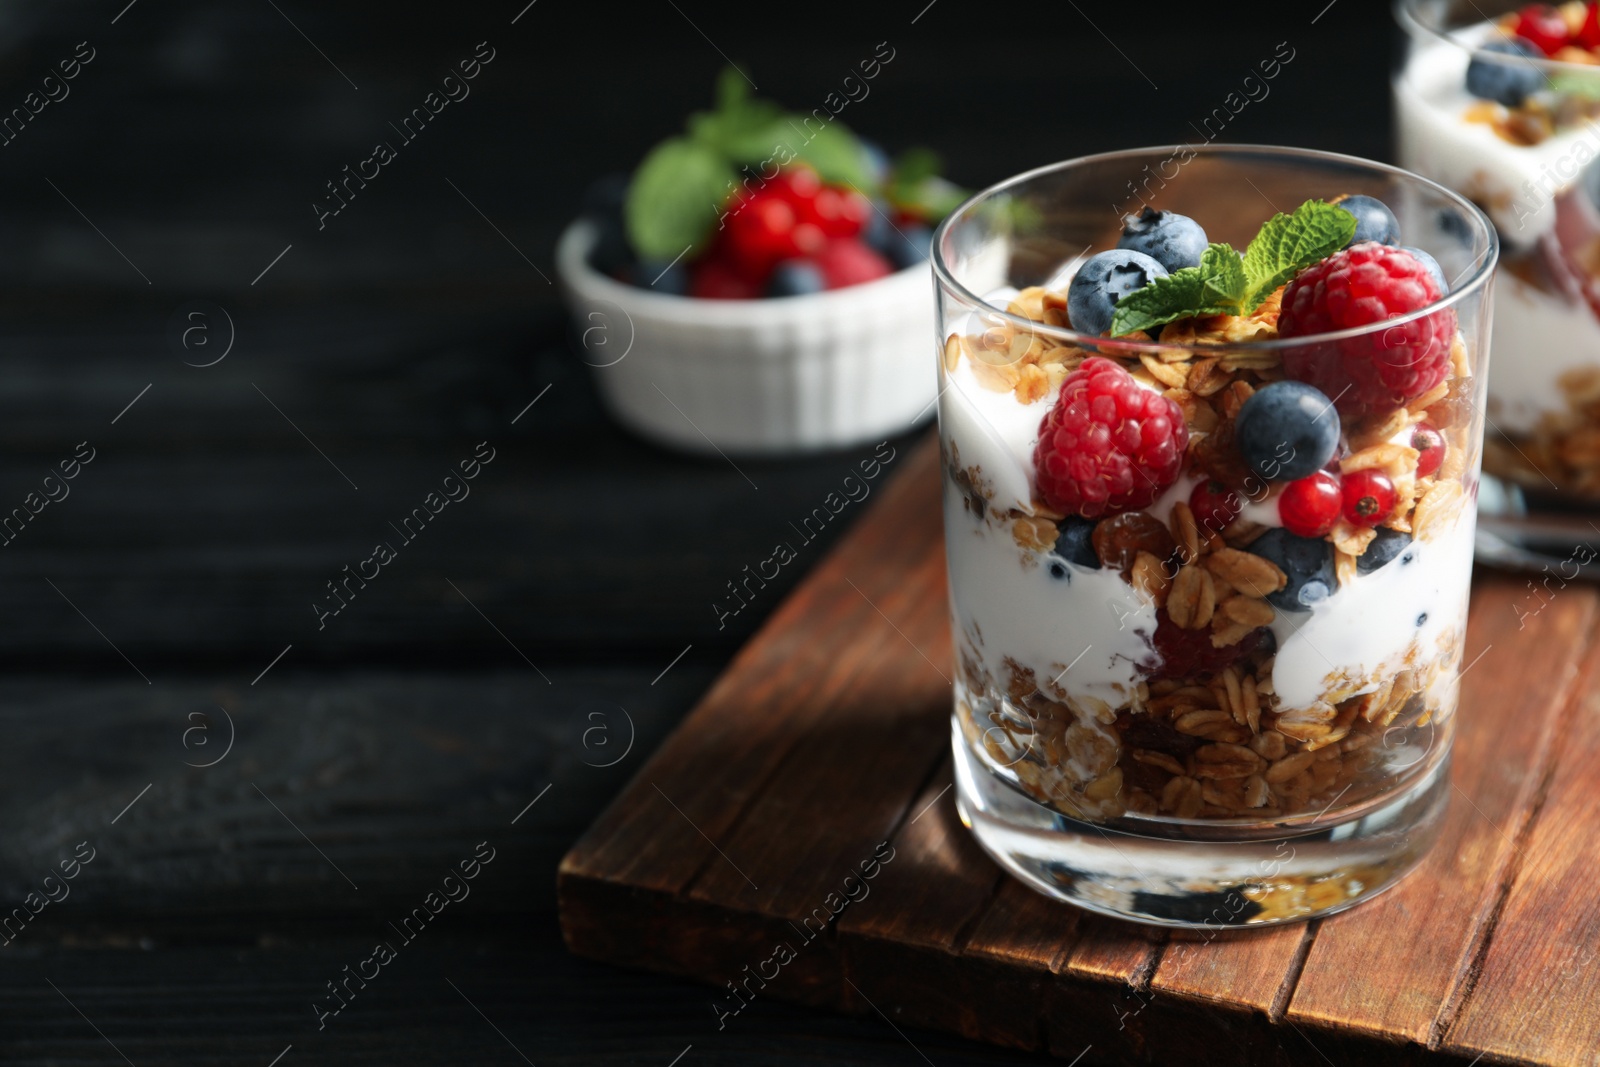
(1482, 272)
(1413, 23)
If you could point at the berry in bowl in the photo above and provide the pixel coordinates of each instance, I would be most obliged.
(758, 285)
(1208, 518)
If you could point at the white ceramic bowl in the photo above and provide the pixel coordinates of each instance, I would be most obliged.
(788, 375)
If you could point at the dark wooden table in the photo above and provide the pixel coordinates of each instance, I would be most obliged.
(487, 685)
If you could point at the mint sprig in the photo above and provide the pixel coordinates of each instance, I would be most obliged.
(679, 196)
(1288, 244)
(1226, 283)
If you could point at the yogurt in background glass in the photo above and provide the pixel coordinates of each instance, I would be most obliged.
(1520, 136)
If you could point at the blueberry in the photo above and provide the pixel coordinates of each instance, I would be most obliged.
(1432, 264)
(912, 245)
(1102, 281)
(1374, 220)
(876, 161)
(662, 276)
(1384, 547)
(795, 277)
(1308, 562)
(1508, 81)
(1287, 430)
(879, 231)
(1454, 224)
(611, 253)
(604, 197)
(1172, 240)
(1421, 619)
(1074, 542)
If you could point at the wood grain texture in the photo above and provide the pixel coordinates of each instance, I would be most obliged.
(828, 736)
(1429, 926)
(1535, 984)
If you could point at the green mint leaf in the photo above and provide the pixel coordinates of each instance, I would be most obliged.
(1215, 287)
(831, 150)
(1176, 296)
(1222, 278)
(733, 90)
(675, 197)
(916, 165)
(933, 198)
(750, 135)
(1586, 86)
(1288, 244)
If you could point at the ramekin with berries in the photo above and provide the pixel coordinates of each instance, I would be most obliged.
(1209, 522)
(758, 284)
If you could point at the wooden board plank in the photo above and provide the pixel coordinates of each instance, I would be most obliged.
(1535, 985)
(906, 960)
(1429, 926)
(827, 734)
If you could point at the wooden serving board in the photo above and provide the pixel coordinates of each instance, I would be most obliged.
(828, 735)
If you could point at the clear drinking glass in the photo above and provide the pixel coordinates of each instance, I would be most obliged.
(1102, 755)
(1520, 135)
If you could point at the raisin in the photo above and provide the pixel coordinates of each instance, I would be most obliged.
(1217, 453)
(1119, 539)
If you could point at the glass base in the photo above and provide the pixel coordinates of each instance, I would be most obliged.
(1525, 529)
(1201, 884)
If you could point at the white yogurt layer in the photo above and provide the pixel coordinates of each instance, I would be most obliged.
(1090, 630)
(994, 433)
(1516, 184)
(1537, 337)
(1087, 632)
(1365, 628)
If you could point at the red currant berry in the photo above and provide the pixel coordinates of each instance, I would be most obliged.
(838, 212)
(1214, 505)
(798, 185)
(766, 230)
(1429, 444)
(1544, 26)
(761, 233)
(1309, 507)
(1368, 497)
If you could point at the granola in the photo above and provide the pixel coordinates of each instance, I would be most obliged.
(1143, 664)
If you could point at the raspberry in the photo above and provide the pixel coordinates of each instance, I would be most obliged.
(1365, 284)
(1190, 654)
(1108, 444)
(849, 262)
(715, 279)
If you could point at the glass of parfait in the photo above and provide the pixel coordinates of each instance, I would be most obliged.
(1211, 424)
(1501, 102)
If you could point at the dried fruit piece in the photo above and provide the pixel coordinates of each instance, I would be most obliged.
(1119, 539)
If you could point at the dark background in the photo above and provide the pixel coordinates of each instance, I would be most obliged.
(459, 685)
